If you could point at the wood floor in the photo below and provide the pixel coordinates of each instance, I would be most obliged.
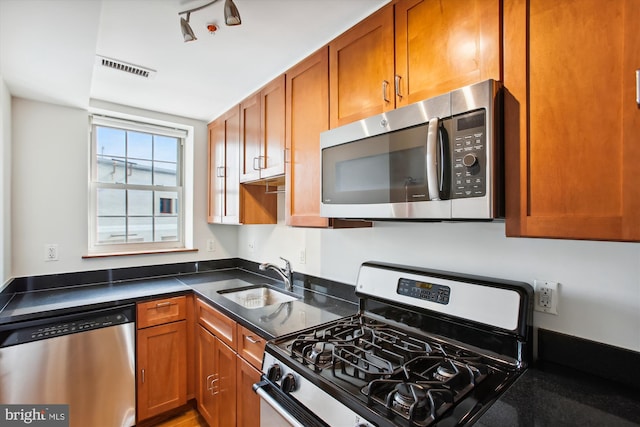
(189, 417)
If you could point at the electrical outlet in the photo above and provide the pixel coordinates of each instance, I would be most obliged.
(211, 245)
(51, 252)
(546, 296)
(252, 246)
(302, 256)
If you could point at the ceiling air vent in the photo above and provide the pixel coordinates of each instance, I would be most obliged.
(115, 64)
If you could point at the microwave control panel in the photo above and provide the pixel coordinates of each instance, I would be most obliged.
(424, 290)
(469, 155)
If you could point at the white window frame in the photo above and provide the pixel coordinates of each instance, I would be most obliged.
(185, 211)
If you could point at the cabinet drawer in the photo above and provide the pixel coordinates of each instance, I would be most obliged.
(250, 346)
(217, 323)
(161, 311)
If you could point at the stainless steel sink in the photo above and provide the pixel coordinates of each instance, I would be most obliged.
(257, 296)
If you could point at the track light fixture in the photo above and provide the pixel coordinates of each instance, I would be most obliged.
(231, 17)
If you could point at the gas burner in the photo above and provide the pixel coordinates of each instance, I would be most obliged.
(446, 371)
(319, 353)
(408, 397)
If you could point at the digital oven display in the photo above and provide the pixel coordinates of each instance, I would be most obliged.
(424, 290)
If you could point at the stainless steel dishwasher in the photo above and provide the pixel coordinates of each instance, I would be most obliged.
(85, 360)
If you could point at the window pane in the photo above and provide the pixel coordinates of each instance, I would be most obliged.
(139, 172)
(111, 230)
(140, 229)
(140, 203)
(110, 142)
(110, 169)
(165, 174)
(111, 202)
(165, 148)
(139, 145)
(166, 203)
(166, 229)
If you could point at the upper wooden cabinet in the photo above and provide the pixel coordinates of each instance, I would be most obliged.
(307, 115)
(229, 201)
(263, 133)
(571, 119)
(444, 45)
(412, 50)
(361, 68)
(224, 161)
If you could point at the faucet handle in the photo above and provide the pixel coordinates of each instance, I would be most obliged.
(287, 266)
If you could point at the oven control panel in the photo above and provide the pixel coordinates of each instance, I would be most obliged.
(424, 290)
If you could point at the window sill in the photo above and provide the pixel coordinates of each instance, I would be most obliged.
(147, 252)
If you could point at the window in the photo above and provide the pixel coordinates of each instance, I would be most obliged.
(136, 186)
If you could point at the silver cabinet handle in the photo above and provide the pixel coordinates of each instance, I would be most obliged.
(256, 163)
(142, 374)
(220, 172)
(385, 85)
(397, 83)
(638, 87)
(252, 340)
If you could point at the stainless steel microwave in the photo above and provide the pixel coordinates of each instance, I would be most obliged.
(437, 159)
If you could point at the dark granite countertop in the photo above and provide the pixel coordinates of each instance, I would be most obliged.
(552, 395)
(32, 305)
(311, 309)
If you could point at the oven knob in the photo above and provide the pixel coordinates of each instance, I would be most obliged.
(288, 383)
(274, 372)
(469, 160)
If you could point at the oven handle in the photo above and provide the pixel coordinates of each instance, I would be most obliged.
(263, 389)
(276, 407)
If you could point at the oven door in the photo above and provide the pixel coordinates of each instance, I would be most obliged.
(278, 409)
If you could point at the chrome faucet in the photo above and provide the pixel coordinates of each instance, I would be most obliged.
(286, 273)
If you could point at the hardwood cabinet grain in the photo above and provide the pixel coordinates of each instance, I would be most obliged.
(571, 119)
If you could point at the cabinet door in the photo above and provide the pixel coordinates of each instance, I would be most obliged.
(571, 119)
(205, 373)
(307, 114)
(272, 105)
(442, 46)
(232, 167)
(224, 385)
(162, 368)
(250, 138)
(361, 64)
(215, 171)
(248, 402)
(224, 168)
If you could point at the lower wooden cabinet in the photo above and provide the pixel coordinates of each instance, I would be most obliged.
(216, 380)
(228, 358)
(247, 402)
(162, 368)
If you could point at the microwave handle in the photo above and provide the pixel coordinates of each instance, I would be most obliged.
(432, 160)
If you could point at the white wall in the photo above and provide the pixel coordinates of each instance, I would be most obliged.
(50, 145)
(599, 281)
(5, 183)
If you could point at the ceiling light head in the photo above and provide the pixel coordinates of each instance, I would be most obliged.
(187, 32)
(231, 14)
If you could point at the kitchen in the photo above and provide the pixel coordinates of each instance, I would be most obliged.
(599, 291)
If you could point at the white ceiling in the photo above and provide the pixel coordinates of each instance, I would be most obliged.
(48, 49)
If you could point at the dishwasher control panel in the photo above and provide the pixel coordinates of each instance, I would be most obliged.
(72, 324)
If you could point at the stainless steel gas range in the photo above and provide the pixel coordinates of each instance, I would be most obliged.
(427, 348)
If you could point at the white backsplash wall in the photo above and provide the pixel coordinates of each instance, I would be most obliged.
(599, 293)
